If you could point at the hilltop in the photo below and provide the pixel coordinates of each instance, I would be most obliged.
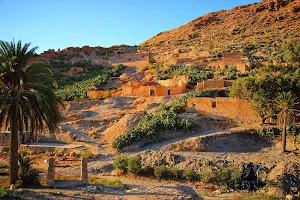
(259, 29)
(256, 30)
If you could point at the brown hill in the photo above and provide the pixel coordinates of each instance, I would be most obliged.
(260, 27)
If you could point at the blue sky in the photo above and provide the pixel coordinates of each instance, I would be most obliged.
(53, 24)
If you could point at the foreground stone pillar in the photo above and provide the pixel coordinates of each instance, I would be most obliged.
(84, 171)
(51, 173)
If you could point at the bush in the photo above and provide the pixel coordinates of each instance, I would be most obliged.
(164, 119)
(134, 165)
(221, 176)
(160, 172)
(105, 182)
(121, 162)
(86, 154)
(27, 175)
(189, 174)
(206, 174)
(235, 179)
(148, 170)
(195, 74)
(3, 193)
(174, 172)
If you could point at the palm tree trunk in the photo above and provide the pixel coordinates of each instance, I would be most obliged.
(14, 143)
(284, 133)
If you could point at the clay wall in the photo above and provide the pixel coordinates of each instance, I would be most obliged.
(175, 81)
(243, 67)
(94, 94)
(162, 88)
(214, 84)
(145, 91)
(238, 110)
(236, 59)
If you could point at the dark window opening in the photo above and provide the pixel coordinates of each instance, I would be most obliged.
(213, 104)
(169, 92)
(152, 93)
(193, 105)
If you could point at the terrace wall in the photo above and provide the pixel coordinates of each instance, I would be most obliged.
(238, 110)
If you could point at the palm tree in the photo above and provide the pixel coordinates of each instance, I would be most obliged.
(285, 103)
(26, 97)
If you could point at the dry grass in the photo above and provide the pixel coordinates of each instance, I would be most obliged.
(4, 181)
(67, 178)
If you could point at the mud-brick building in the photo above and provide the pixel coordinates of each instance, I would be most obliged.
(173, 86)
(238, 110)
(214, 84)
(237, 59)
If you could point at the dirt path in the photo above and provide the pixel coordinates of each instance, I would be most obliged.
(80, 133)
(196, 135)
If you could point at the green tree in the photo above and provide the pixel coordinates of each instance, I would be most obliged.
(285, 103)
(26, 98)
(291, 52)
(151, 58)
(262, 88)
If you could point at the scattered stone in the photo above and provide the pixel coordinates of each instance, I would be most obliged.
(117, 172)
(101, 188)
(274, 191)
(21, 190)
(12, 187)
(218, 192)
(289, 197)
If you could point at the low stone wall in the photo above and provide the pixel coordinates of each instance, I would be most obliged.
(238, 110)
(50, 181)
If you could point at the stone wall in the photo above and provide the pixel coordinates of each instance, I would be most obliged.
(97, 94)
(4, 138)
(238, 110)
(214, 84)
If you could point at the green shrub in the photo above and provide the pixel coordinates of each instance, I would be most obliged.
(86, 154)
(76, 87)
(221, 176)
(121, 162)
(195, 74)
(160, 172)
(3, 193)
(174, 172)
(148, 170)
(3, 166)
(235, 179)
(134, 165)
(164, 119)
(28, 176)
(206, 174)
(105, 182)
(189, 174)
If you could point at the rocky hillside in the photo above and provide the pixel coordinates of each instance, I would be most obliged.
(260, 28)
